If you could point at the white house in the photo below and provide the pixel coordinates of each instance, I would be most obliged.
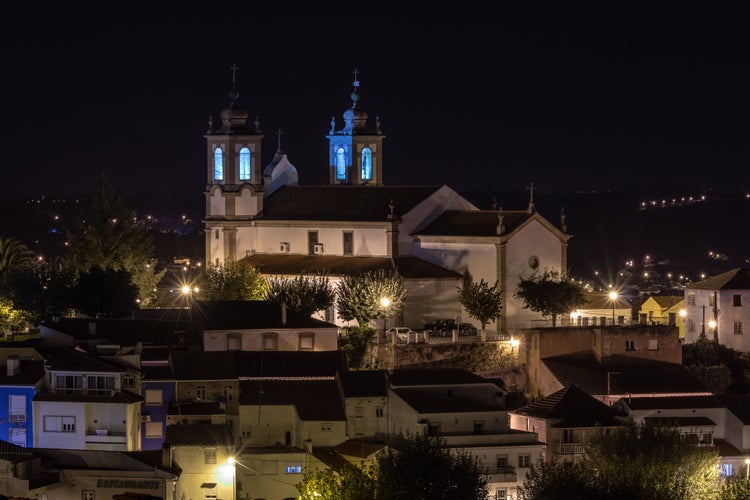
(717, 307)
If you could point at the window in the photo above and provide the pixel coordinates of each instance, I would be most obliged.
(326, 427)
(218, 164)
(128, 381)
(524, 461)
(348, 243)
(691, 298)
(234, 342)
(630, 345)
(737, 300)
(209, 455)
(341, 164)
(244, 164)
(270, 342)
(228, 392)
(690, 326)
(17, 408)
(69, 384)
(501, 494)
(100, 385)
(200, 392)
(153, 430)
(433, 429)
(478, 426)
(154, 397)
(738, 327)
(366, 164)
(502, 461)
(379, 411)
(17, 436)
(306, 341)
(712, 300)
(653, 344)
(59, 424)
(88, 495)
(312, 240)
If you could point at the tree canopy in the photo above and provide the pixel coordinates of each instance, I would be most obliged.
(647, 462)
(411, 467)
(233, 281)
(551, 294)
(14, 255)
(481, 301)
(359, 296)
(302, 294)
(105, 293)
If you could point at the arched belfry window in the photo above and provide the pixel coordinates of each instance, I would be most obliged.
(341, 163)
(367, 164)
(244, 164)
(218, 164)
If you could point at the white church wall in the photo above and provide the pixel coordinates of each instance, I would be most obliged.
(217, 245)
(245, 239)
(367, 241)
(247, 203)
(217, 203)
(533, 240)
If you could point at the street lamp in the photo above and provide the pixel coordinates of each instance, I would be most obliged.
(613, 298)
(385, 302)
(233, 464)
(747, 470)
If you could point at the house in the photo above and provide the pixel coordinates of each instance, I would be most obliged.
(468, 413)
(564, 421)
(258, 325)
(20, 379)
(87, 404)
(716, 308)
(663, 310)
(366, 404)
(429, 234)
(600, 309)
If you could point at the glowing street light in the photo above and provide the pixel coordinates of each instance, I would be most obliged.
(233, 464)
(385, 302)
(747, 472)
(613, 298)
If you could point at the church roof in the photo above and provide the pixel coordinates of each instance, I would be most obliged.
(736, 279)
(474, 223)
(343, 203)
(250, 315)
(406, 266)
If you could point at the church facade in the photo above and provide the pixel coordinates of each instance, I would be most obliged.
(429, 234)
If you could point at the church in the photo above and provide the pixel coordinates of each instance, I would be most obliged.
(429, 234)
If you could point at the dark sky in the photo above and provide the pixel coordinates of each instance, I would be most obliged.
(587, 100)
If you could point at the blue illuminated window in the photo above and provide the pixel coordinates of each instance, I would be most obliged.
(218, 164)
(366, 164)
(340, 163)
(293, 469)
(244, 164)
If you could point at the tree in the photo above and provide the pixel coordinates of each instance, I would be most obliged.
(105, 293)
(480, 300)
(109, 237)
(14, 255)
(352, 482)
(358, 296)
(411, 467)
(44, 290)
(302, 294)
(233, 281)
(647, 462)
(552, 293)
(12, 320)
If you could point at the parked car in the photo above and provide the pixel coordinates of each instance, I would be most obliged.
(401, 333)
(445, 327)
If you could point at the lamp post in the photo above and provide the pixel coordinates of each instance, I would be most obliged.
(747, 469)
(613, 298)
(385, 302)
(233, 464)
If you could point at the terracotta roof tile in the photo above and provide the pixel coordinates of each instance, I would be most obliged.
(473, 223)
(736, 279)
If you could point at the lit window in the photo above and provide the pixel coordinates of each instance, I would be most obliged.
(690, 326)
(244, 164)
(341, 164)
(379, 412)
(502, 494)
(218, 164)
(154, 397)
(366, 164)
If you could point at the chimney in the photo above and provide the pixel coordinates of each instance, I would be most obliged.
(283, 313)
(13, 365)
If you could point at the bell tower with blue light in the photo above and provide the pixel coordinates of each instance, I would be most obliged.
(355, 151)
(234, 182)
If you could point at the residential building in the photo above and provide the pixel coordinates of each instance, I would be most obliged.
(20, 379)
(663, 310)
(717, 308)
(366, 404)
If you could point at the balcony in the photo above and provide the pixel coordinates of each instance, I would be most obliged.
(505, 474)
(567, 448)
(106, 437)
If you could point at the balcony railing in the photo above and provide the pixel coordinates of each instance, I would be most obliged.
(568, 448)
(503, 474)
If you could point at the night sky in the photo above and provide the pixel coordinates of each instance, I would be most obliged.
(566, 100)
